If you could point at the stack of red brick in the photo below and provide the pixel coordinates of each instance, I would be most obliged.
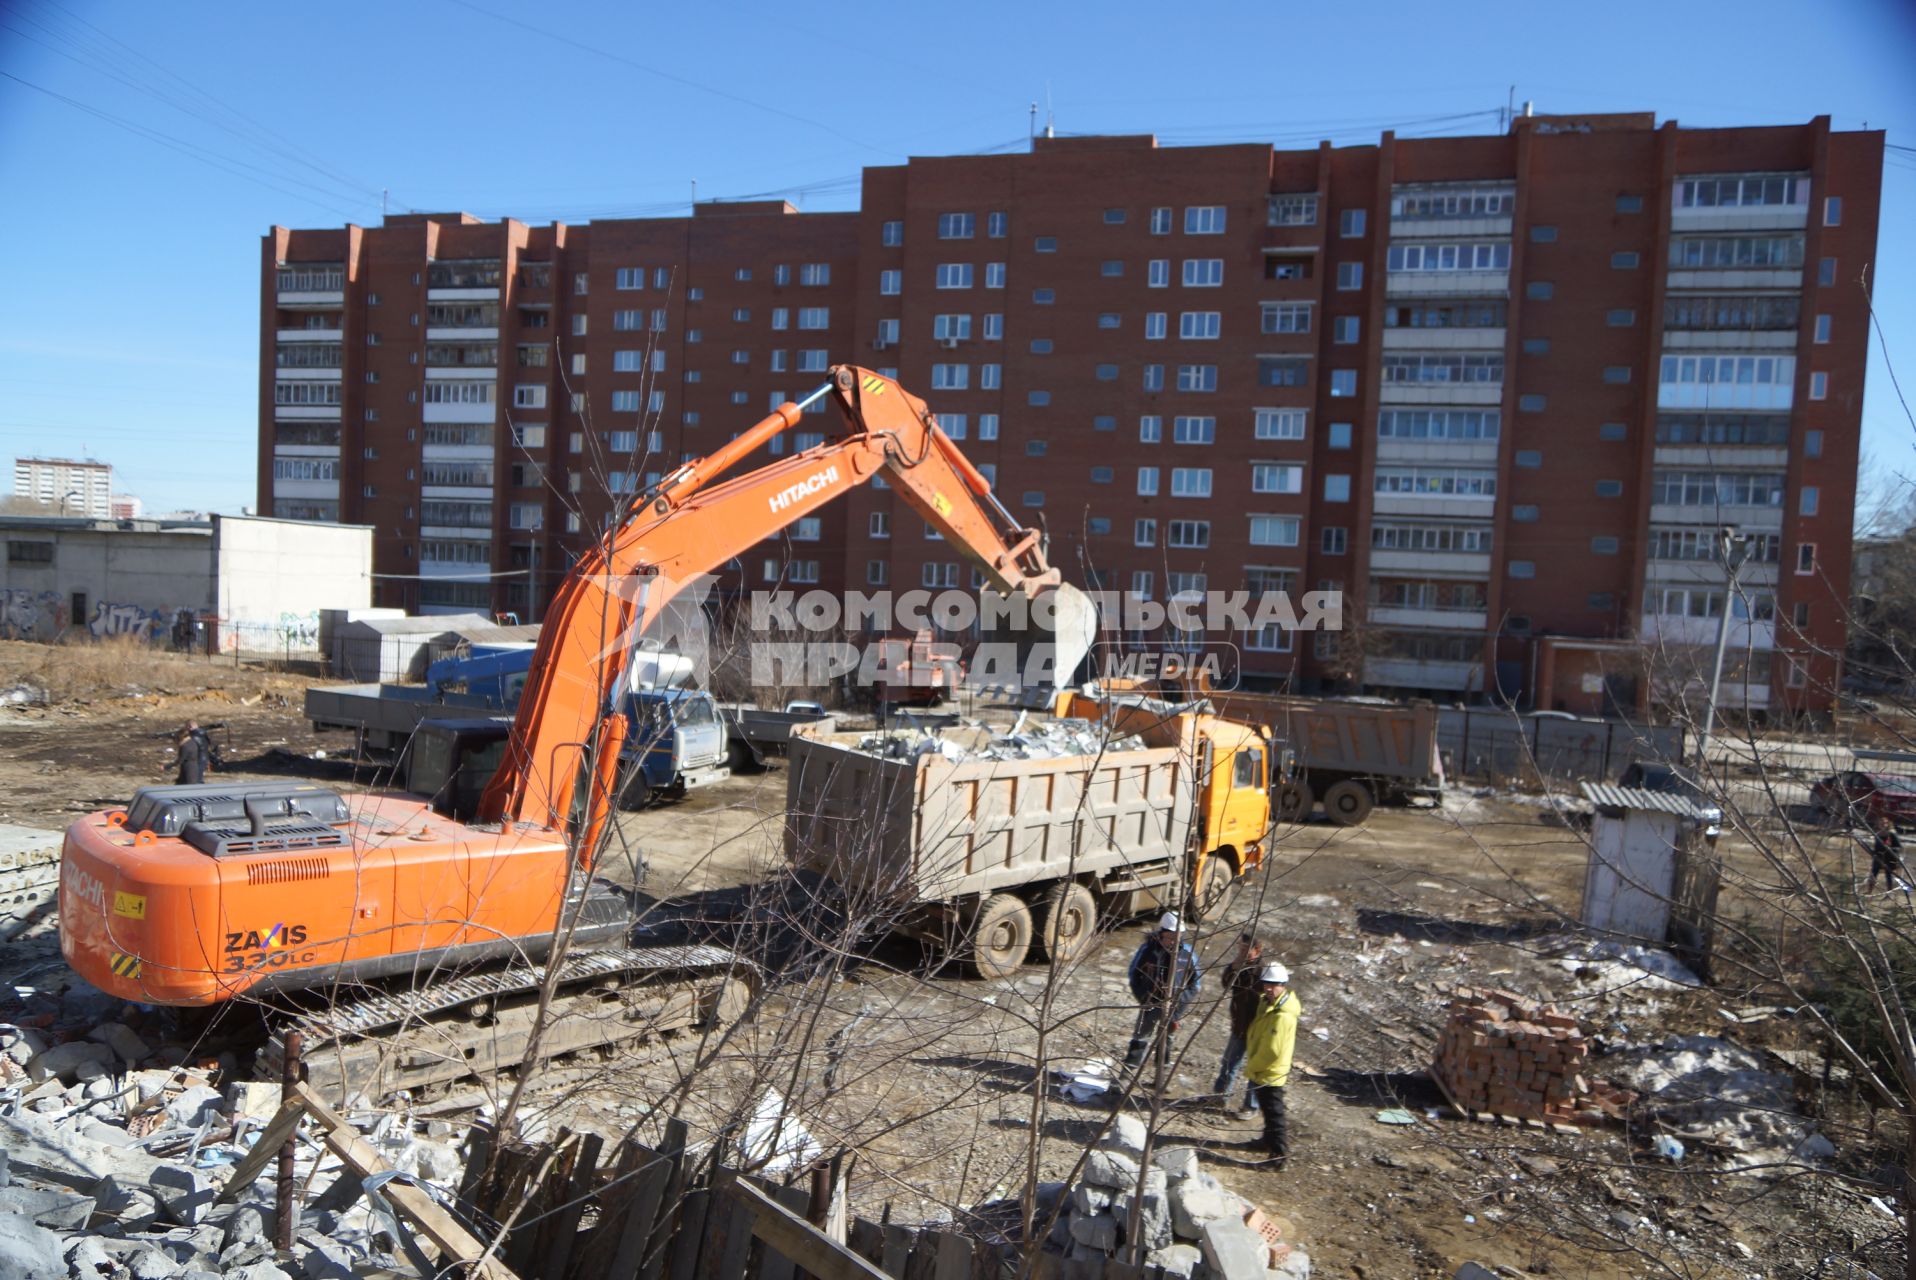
(1508, 1057)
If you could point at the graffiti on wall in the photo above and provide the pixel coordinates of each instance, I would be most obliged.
(111, 619)
(31, 615)
(287, 633)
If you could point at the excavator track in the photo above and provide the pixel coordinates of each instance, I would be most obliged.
(482, 1023)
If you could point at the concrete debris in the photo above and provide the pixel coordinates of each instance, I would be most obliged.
(1027, 739)
(775, 1140)
(1719, 1096)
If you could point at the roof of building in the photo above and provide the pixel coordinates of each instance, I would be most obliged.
(1609, 795)
(94, 524)
(427, 624)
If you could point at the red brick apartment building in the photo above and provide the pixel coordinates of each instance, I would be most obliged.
(1502, 391)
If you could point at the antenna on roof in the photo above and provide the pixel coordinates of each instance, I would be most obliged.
(1049, 119)
(1032, 131)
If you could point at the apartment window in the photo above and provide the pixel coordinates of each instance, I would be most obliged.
(1161, 221)
(1832, 211)
(954, 275)
(994, 275)
(814, 317)
(1806, 501)
(1283, 371)
(1204, 220)
(1337, 488)
(1038, 399)
(1623, 260)
(1044, 297)
(891, 283)
(1539, 291)
(994, 327)
(1523, 568)
(815, 273)
(1147, 481)
(1822, 329)
(950, 377)
(1276, 477)
(1154, 377)
(1616, 374)
(1279, 424)
(988, 423)
(1525, 513)
(1434, 482)
(741, 357)
(781, 318)
(1826, 272)
(950, 327)
(1144, 533)
(1111, 268)
(528, 397)
(1098, 526)
(1036, 448)
(1536, 346)
(989, 376)
(1543, 234)
(893, 235)
(1109, 320)
(1188, 535)
(1104, 422)
(1150, 429)
(1736, 252)
(1813, 444)
(1335, 540)
(1609, 488)
(1155, 325)
(1603, 545)
(1350, 223)
(995, 224)
(954, 424)
(1102, 475)
(1041, 346)
(1339, 436)
(1345, 329)
(1620, 318)
(1107, 373)
(1528, 459)
(1343, 382)
(661, 277)
(1531, 403)
(813, 360)
(1200, 325)
(1629, 204)
(1285, 317)
(1612, 431)
(1298, 210)
(1194, 430)
(1275, 531)
(1203, 273)
(1806, 557)
(1350, 276)
(1819, 386)
(1190, 482)
(1197, 377)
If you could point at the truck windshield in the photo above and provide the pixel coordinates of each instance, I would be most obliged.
(693, 711)
(1250, 772)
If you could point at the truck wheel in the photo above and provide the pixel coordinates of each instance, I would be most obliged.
(1070, 918)
(1294, 801)
(1001, 937)
(1348, 803)
(637, 793)
(1212, 892)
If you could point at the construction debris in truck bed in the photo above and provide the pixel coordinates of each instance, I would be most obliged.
(1027, 739)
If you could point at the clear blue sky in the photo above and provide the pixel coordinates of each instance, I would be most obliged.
(131, 206)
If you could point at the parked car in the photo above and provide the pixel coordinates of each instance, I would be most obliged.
(1676, 780)
(1855, 797)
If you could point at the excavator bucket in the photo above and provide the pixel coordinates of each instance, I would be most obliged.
(1030, 649)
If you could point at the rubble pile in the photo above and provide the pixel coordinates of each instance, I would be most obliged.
(1718, 1096)
(1508, 1057)
(1026, 739)
(1191, 1225)
(111, 1168)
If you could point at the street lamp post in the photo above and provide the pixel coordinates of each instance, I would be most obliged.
(1733, 548)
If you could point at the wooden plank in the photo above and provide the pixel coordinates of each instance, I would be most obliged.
(613, 1190)
(796, 1238)
(525, 1247)
(772, 1264)
(565, 1221)
(658, 1234)
(454, 1242)
(631, 1229)
(951, 1256)
(281, 1127)
(897, 1255)
(689, 1239)
(867, 1240)
(479, 1152)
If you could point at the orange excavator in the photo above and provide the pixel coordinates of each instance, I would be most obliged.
(460, 897)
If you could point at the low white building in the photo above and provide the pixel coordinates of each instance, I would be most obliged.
(232, 583)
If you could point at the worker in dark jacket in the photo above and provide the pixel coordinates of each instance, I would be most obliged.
(1241, 989)
(194, 750)
(1164, 978)
(1886, 858)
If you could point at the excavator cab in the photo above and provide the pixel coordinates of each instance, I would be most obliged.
(449, 763)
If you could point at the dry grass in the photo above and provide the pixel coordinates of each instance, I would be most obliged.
(122, 667)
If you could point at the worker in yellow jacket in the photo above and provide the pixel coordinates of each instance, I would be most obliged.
(1268, 1048)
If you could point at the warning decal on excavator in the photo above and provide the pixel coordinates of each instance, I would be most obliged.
(941, 503)
(874, 386)
(124, 965)
(130, 905)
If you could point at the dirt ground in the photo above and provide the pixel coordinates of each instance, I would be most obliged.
(934, 1071)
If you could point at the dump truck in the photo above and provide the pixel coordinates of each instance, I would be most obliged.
(1348, 755)
(989, 858)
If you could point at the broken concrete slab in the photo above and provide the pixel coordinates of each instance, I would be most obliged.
(62, 1061)
(1097, 1230)
(1127, 1135)
(1178, 1260)
(123, 1040)
(1193, 1205)
(1088, 1199)
(1177, 1162)
(42, 1150)
(1110, 1169)
(183, 1194)
(1233, 1250)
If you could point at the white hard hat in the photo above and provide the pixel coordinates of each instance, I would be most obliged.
(1275, 973)
(1168, 923)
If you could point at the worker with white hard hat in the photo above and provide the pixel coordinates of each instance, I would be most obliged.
(1268, 1050)
(1164, 978)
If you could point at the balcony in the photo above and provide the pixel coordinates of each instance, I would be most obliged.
(308, 335)
(1730, 339)
(1419, 339)
(1663, 629)
(456, 569)
(1705, 573)
(318, 285)
(1414, 673)
(1435, 564)
(1447, 284)
(1750, 217)
(1717, 279)
(1436, 619)
(476, 333)
(1722, 457)
(1754, 519)
(1441, 505)
(1457, 393)
(1481, 453)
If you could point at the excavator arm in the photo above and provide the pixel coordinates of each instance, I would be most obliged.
(689, 524)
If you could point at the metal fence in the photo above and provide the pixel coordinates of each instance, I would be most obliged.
(1488, 743)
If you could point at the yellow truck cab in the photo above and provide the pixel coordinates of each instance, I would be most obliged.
(1231, 762)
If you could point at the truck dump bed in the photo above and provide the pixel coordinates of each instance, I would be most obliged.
(927, 829)
(1396, 741)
